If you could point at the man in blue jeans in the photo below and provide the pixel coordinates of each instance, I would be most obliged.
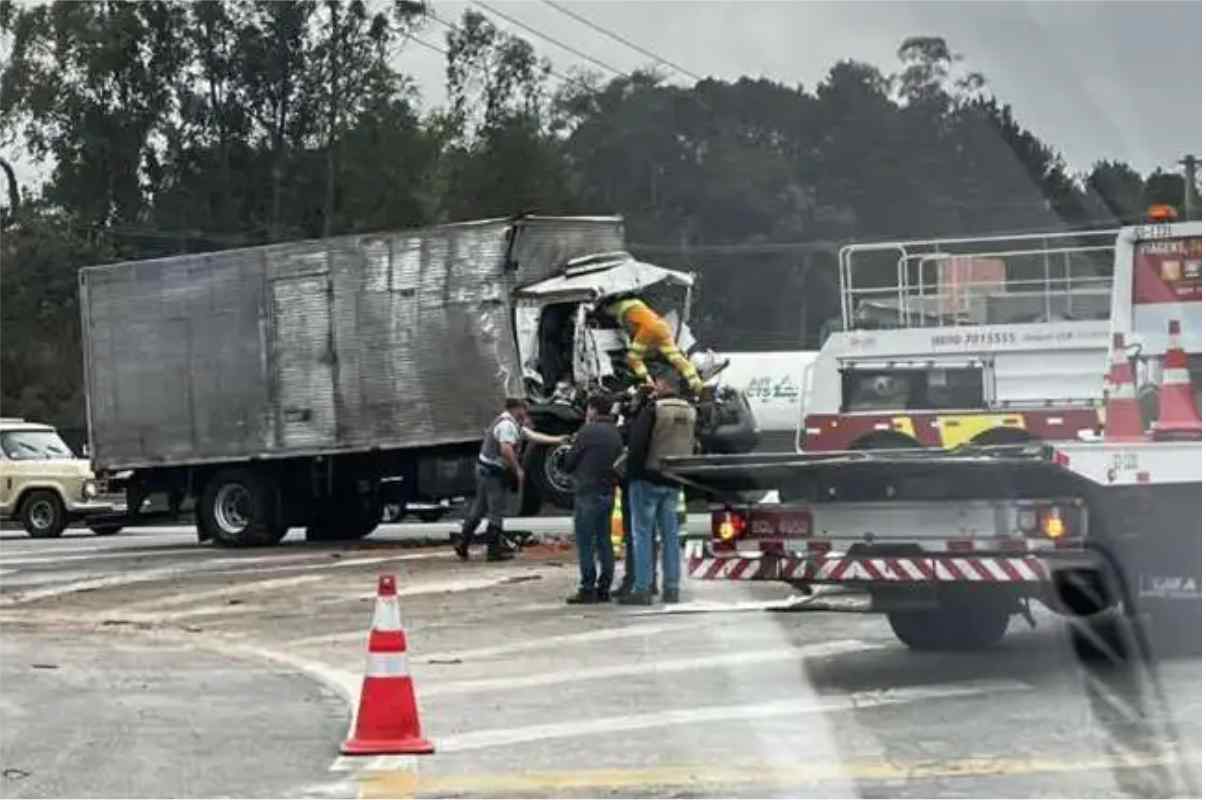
(662, 429)
(591, 461)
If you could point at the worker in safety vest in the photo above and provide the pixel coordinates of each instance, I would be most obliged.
(647, 332)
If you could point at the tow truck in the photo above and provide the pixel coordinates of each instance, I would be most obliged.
(989, 340)
(950, 543)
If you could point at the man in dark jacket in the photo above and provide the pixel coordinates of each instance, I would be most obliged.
(661, 429)
(591, 461)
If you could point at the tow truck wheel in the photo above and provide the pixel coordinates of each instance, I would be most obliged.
(239, 509)
(43, 515)
(950, 627)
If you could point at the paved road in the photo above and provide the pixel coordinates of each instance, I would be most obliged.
(147, 665)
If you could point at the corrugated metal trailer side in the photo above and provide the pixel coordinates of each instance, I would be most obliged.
(389, 340)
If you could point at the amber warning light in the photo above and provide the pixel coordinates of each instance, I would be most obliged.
(1161, 213)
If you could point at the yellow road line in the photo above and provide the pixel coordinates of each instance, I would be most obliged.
(409, 784)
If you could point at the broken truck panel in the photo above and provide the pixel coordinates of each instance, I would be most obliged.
(384, 340)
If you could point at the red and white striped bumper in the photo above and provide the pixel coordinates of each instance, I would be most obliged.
(860, 569)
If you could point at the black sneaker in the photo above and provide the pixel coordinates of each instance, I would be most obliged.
(636, 599)
(625, 588)
(460, 543)
(670, 596)
(582, 598)
(603, 595)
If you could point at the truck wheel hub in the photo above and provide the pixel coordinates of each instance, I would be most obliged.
(232, 508)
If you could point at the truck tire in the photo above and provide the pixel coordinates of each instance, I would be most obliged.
(950, 628)
(43, 515)
(240, 508)
(551, 482)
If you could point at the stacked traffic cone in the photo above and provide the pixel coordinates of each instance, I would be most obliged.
(388, 720)
(1124, 423)
(1180, 417)
(617, 525)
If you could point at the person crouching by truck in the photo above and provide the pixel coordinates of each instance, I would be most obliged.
(591, 461)
(662, 429)
(498, 468)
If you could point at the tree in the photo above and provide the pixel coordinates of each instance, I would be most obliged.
(89, 85)
(1119, 189)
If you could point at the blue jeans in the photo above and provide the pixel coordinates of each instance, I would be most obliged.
(654, 507)
(592, 532)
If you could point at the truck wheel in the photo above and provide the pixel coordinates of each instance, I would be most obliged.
(950, 628)
(43, 514)
(105, 530)
(550, 479)
(239, 508)
(351, 516)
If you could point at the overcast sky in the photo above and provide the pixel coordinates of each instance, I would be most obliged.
(1115, 80)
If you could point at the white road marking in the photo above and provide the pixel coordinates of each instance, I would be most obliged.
(521, 645)
(646, 667)
(375, 764)
(146, 576)
(437, 587)
(707, 607)
(509, 737)
(226, 591)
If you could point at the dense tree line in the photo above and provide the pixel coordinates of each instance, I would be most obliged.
(181, 127)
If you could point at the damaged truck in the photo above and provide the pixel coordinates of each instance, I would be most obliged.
(306, 384)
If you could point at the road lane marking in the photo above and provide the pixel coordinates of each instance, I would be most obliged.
(199, 570)
(698, 778)
(521, 645)
(187, 598)
(857, 701)
(660, 667)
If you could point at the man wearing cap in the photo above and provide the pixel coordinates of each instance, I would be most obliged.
(498, 464)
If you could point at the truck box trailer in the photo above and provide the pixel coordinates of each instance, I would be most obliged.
(284, 385)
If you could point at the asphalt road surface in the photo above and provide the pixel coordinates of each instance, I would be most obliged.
(146, 665)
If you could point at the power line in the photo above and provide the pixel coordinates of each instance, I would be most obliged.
(558, 75)
(550, 39)
(626, 42)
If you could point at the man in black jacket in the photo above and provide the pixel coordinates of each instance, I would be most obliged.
(661, 429)
(591, 461)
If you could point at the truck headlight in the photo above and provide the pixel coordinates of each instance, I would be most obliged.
(91, 490)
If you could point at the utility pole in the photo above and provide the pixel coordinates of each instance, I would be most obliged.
(1191, 172)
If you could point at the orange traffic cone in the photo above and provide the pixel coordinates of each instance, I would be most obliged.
(388, 720)
(1180, 418)
(1123, 420)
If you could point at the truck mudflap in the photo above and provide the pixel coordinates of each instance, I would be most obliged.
(860, 569)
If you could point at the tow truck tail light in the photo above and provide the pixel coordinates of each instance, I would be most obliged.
(728, 526)
(1056, 523)
(1053, 524)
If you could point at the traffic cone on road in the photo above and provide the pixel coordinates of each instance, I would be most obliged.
(1180, 417)
(388, 719)
(1123, 420)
